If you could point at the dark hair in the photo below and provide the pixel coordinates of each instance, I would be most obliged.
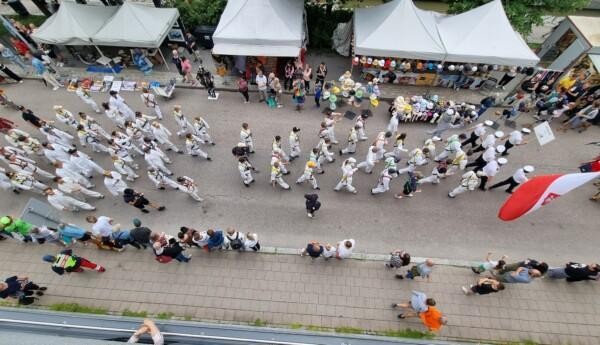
(277, 137)
(500, 286)
(128, 191)
(402, 136)
(430, 302)
(462, 136)
(105, 105)
(405, 259)
(180, 235)
(442, 170)
(500, 265)
(542, 267)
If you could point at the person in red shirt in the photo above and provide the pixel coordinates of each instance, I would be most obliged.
(19, 45)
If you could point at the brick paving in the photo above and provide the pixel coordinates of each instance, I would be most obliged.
(283, 290)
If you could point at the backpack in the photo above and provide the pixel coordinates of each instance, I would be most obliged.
(236, 243)
(407, 188)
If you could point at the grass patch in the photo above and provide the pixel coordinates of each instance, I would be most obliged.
(76, 308)
(295, 325)
(128, 312)
(317, 328)
(407, 333)
(164, 315)
(187, 317)
(259, 323)
(349, 330)
(37, 20)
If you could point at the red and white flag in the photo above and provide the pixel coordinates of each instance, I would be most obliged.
(540, 191)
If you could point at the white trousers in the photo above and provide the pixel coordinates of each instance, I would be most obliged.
(91, 103)
(310, 178)
(351, 148)
(345, 184)
(368, 166)
(282, 183)
(247, 177)
(382, 187)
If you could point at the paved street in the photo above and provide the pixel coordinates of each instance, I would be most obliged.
(289, 291)
(429, 224)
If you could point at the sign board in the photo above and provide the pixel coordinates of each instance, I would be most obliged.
(40, 213)
(543, 133)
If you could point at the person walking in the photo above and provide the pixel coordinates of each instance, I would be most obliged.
(469, 181)
(150, 101)
(116, 101)
(41, 70)
(308, 175)
(515, 138)
(246, 137)
(66, 262)
(63, 202)
(422, 270)
(71, 187)
(489, 265)
(348, 170)
(520, 176)
(313, 249)
(345, 248)
(21, 289)
(86, 97)
(139, 201)
(10, 73)
(575, 272)
(383, 184)
(490, 170)
(243, 88)
(369, 163)
(398, 258)
(201, 128)
(193, 146)
(321, 74)
(188, 186)
(522, 275)
(312, 204)
(69, 234)
(245, 168)
(277, 175)
(150, 328)
(477, 133)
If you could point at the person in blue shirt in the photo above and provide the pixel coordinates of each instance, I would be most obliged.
(8, 54)
(522, 275)
(70, 233)
(40, 69)
(215, 239)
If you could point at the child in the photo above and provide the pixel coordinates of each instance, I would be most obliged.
(318, 90)
(490, 265)
(398, 258)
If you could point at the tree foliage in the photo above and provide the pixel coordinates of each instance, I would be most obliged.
(198, 12)
(524, 14)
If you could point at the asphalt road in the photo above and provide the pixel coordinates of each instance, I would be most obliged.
(430, 224)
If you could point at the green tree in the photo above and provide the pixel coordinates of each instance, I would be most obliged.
(524, 14)
(198, 12)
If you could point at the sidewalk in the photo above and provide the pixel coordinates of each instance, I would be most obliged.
(290, 291)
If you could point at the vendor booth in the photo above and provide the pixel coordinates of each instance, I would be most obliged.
(474, 49)
(265, 30)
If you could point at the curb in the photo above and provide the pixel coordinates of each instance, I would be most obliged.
(372, 257)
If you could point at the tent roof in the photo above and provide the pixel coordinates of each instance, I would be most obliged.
(589, 28)
(137, 25)
(260, 28)
(73, 24)
(484, 35)
(397, 29)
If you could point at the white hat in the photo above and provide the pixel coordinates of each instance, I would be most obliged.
(430, 105)
(528, 168)
(499, 134)
(375, 80)
(474, 68)
(381, 63)
(473, 113)
(488, 122)
(450, 111)
(440, 67)
(526, 130)
(393, 64)
(500, 148)
(352, 160)
(461, 67)
(359, 85)
(57, 107)
(369, 61)
(451, 68)
(502, 160)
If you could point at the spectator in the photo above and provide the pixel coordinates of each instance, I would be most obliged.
(575, 272)
(147, 327)
(312, 204)
(422, 270)
(8, 54)
(489, 265)
(235, 239)
(289, 75)
(176, 61)
(139, 201)
(423, 307)
(16, 228)
(20, 288)
(541, 266)
(484, 286)
(42, 71)
(261, 83)
(251, 242)
(313, 249)
(398, 258)
(521, 275)
(69, 234)
(216, 240)
(186, 236)
(329, 251)
(321, 74)
(167, 248)
(298, 92)
(345, 248)
(186, 69)
(102, 229)
(140, 235)
(192, 46)
(200, 239)
(307, 76)
(65, 261)
(243, 88)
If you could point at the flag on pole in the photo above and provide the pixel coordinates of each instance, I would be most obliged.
(540, 191)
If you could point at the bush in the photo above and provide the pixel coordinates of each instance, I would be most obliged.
(321, 26)
(76, 308)
(198, 12)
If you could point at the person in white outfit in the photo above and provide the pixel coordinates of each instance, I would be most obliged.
(383, 184)
(348, 170)
(245, 169)
(393, 124)
(152, 145)
(352, 140)
(325, 154)
(30, 145)
(330, 121)
(85, 165)
(114, 115)
(64, 116)
(155, 160)
(308, 175)
(398, 148)
(13, 135)
(452, 146)
(162, 134)
(316, 156)
(369, 163)
(184, 124)
(150, 101)
(277, 157)
(5, 183)
(277, 176)
(246, 137)
(193, 146)
(125, 142)
(55, 153)
(68, 169)
(437, 174)
(26, 165)
(459, 162)
(276, 145)
(144, 123)
(86, 97)
(66, 203)
(189, 186)
(70, 186)
(56, 136)
(90, 124)
(87, 137)
(160, 180)
(116, 101)
(25, 181)
(361, 122)
(380, 143)
(114, 182)
(201, 130)
(294, 141)
(123, 168)
(469, 181)
(122, 154)
(344, 249)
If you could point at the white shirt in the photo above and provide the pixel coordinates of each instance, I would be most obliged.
(489, 154)
(102, 227)
(519, 176)
(261, 82)
(515, 138)
(371, 156)
(69, 185)
(328, 253)
(479, 131)
(58, 200)
(490, 140)
(344, 252)
(248, 243)
(491, 169)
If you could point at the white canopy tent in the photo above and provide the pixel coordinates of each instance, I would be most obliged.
(484, 35)
(73, 24)
(260, 28)
(397, 29)
(135, 25)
